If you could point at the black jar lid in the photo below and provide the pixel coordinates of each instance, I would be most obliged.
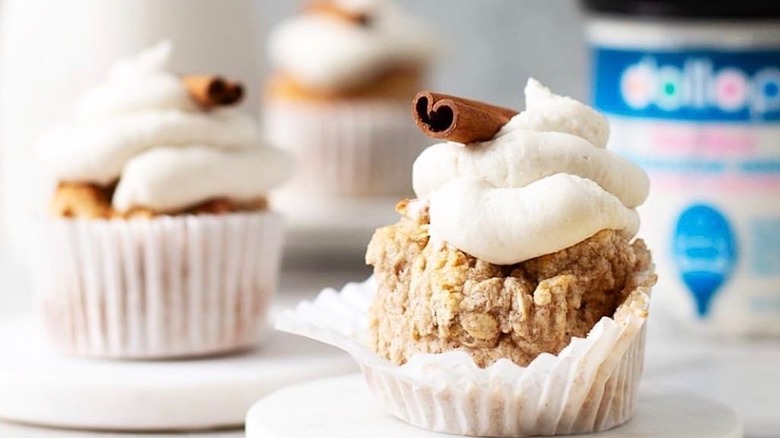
(716, 9)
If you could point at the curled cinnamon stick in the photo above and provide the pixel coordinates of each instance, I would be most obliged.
(328, 7)
(457, 119)
(209, 91)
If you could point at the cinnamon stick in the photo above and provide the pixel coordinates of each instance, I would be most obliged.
(328, 7)
(209, 91)
(457, 119)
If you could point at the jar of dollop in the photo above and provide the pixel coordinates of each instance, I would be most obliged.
(692, 91)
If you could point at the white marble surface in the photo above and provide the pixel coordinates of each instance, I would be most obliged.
(658, 415)
(41, 386)
(743, 374)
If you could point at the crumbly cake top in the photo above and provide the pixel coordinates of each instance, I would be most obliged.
(433, 297)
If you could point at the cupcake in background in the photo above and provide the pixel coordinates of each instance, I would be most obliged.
(160, 243)
(344, 72)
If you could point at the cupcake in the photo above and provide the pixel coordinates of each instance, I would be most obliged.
(343, 73)
(160, 242)
(511, 297)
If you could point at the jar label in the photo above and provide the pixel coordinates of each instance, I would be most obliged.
(702, 85)
(705, 125)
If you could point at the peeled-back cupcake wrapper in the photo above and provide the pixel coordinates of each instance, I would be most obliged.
(159, 288)
(351, 148)
(589, 386)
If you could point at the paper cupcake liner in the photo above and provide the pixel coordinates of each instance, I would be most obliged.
(354, 148)
(590, 386)
(158, 288)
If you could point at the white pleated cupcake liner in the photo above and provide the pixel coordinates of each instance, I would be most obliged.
(164, 287)
(346, 148)
(590, 386)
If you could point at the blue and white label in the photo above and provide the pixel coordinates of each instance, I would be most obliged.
(697, 85)
(705, 252)
(704, 122)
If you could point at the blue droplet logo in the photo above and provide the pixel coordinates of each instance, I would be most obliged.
(705, 253)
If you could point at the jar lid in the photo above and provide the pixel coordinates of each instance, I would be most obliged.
(734, 9)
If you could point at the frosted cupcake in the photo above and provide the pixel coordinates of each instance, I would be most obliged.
(344, 71)
(161, 243)
(511, 297)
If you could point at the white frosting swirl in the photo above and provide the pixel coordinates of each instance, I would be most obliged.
(142, 127)
(325, 52)
(544, 183)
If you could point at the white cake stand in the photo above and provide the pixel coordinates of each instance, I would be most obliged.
(343, 407)
(326, 226)
(39, 386)
(9, 430)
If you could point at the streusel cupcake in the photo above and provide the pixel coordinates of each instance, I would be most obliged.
(161, 243)
(511, 297)
(343, 73)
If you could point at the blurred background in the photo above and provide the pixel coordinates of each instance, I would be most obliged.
(53, 51)
(488, 52)
(492, 47)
